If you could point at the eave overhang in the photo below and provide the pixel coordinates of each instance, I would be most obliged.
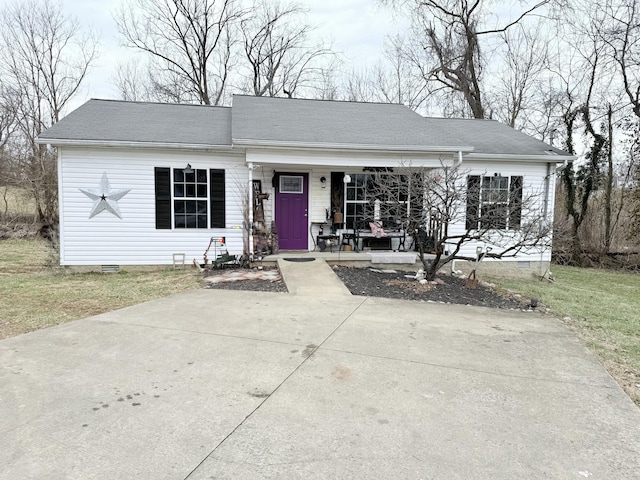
(505, 157)
(350, 147)
(65, 142)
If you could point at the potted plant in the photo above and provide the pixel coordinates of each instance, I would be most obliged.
(337, 215)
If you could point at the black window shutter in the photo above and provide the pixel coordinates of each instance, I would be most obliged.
(473, 202)
(515, 202)
(216, 198)
(163, 197)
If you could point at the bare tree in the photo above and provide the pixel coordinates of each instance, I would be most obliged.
(44, 59)
(8, 112)
(446, 209)
(358, 86)
(622, 33)
(394, 79)
(397, 81)
(327, 88)
(634, 170)
(132, 81)
(589, 77)
(189, 44)
(525, 64)
(448, 44)
(279, 51)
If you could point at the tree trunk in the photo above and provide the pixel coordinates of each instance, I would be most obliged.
(609, 187)
(577, 257)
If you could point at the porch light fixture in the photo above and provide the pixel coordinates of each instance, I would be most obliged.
(323, 181)
(188, 169)
(347, 179)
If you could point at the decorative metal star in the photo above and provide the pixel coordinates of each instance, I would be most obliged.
(104, 198)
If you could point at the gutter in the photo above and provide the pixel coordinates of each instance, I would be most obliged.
(506, 156)
(60, 142)
(351, 146)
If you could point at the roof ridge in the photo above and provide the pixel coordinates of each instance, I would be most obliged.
(463, 118)
(147, 102)
(321, 100)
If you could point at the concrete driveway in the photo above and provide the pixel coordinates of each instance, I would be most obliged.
(243, 385)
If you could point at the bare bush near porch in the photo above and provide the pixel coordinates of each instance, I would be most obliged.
(436, 217)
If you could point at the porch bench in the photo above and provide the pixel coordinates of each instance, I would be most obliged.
(377, 240)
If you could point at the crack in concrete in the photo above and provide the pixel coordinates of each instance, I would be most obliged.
(293, 372)
(466, 369)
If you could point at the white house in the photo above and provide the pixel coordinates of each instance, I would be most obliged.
(141, 181)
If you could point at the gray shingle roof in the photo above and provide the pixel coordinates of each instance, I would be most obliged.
(283, 121)
(272, 120)
(119, 121)
(263, 119)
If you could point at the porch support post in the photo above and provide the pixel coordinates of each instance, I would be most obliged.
(250, 209)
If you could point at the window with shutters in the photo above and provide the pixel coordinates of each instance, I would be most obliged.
(188, 200)
(494, 202)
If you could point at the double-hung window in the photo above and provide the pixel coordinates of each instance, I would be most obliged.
(190, 198)
(494, 202)
(186, 200)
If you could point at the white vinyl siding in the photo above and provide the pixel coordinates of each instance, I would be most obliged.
(533, 185)
(134, 239)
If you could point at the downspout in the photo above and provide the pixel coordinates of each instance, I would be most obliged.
(545, 209)
(458, 163)
(563, 166)
(250, 209)
(547, 187)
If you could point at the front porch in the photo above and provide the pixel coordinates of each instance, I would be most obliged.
(378, 259)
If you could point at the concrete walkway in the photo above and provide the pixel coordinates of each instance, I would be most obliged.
(312, 385)
(310, 277)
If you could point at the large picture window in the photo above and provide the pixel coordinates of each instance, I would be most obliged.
(185, 200)
(494, 202)
(396, 197)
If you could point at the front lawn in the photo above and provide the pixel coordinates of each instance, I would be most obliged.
(602, 307)
(35, 294)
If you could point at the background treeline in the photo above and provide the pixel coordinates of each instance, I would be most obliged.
(564, 71)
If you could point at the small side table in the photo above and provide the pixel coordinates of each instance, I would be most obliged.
(349, 239)
(324, 241)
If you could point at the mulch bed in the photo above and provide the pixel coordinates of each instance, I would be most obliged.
(373, 283)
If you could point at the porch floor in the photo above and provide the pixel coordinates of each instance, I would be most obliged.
(406, 260)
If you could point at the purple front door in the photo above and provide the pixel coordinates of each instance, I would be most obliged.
(292, 203)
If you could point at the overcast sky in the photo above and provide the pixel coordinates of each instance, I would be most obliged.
(357, 28)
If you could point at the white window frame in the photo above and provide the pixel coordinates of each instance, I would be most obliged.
(185, 198)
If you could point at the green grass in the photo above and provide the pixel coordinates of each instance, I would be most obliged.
(34, 295)
(602, 307)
